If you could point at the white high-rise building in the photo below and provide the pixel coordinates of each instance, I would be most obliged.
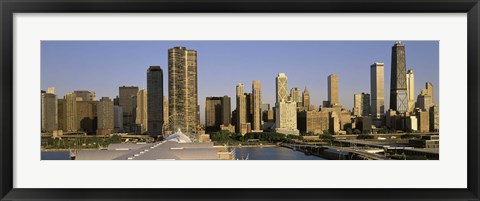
(410, 90)
(286, 118)
(412, 123)
(281, 83)
(377, 89)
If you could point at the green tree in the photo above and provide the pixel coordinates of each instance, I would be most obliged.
(365, 136)
(326, 137)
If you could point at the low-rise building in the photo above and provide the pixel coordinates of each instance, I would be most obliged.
(412, 123)
(427, 141)
(423, 121)
(364, 124)
(313, 122)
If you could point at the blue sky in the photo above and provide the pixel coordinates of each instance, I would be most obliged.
(103, 66)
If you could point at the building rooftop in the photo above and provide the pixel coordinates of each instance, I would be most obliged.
(177, 146)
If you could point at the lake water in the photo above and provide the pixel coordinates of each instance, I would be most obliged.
(55, 155)
(273, 153)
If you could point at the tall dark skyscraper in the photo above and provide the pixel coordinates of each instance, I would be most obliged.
(155, 100)
(213, 113)
(217, 112)
(182, 88)
(398, 85)
(226, 111)
(125, 101)
(249, 106)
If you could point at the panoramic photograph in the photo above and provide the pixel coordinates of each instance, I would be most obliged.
(240, 100)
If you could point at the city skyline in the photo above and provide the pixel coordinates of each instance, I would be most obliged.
(126, 62)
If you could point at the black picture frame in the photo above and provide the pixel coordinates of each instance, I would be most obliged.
(10, 7)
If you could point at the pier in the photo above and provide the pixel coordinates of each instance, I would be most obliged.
(338, 153)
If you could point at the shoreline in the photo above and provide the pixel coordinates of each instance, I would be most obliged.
(248, 146)
(58, 150)
(228, 146)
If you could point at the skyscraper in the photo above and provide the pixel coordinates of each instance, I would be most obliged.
(361, 104)
(213, 113)
(105, 114)
(61, 114)
(135, 127)
(410, 90)
(357, 104)
(155, 101)
(70, 112)
(295, 95)
(49, 111)
(241, 113)
(286, 118)
(87, 117)
(333, 89)
(281, 83)
(398, 84)
(249, 106)
(117, 118)
(434, 118)
(116, 101)
(377, 89)
(423, 121)
(365, 104)
(141, 112)
(306, 99)
(265, 107)
(83, 95)
(125, 101)
(226, 111)
(429, 88)
(165, 110)
(217, 113)
(256, 113)
(182, 88)
(425, 98)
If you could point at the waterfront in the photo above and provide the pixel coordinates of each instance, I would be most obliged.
(55, 155)
(113, 124)
(272, 153)
(253, 153)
